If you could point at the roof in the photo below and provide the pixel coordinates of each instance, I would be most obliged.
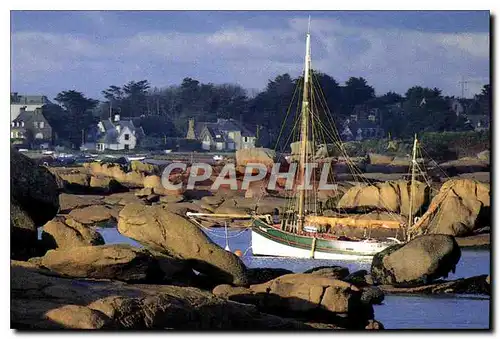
(28, 116)
(24, 116)
(107, 124)
(213, 132)
(108, 137)
(222, 127)
(111, 134)
(28, 99)
(198, 127)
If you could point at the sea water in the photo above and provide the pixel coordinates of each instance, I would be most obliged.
(398, 311)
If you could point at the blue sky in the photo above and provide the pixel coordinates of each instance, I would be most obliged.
(88, 51)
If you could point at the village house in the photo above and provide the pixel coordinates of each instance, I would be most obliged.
(457, 107)
(31, 129)
(27, 102)
(118, 134)
(223, 135)
(364, 123)
(478, 122)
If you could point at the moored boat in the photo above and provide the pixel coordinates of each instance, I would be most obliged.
(300, 229)
(270, 240)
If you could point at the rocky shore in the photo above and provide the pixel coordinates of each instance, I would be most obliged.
(179, 279)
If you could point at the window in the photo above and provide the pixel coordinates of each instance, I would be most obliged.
(42, 124)
(126, 147)
(371, 117)
(22, 123)
(35, 123)
(127, 136)
(13, 124)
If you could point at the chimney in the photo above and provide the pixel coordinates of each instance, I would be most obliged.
(190, 133)
(117, 117)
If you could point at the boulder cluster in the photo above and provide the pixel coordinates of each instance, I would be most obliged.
(71, 279)
(68, 277)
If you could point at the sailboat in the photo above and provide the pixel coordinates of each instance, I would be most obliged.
(300, 230)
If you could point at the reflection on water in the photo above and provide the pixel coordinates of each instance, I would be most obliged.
(398, 311)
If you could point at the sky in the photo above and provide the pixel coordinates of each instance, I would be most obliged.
(53, 51)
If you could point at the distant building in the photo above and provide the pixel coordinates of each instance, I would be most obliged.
(457, 107)
(362, 124)
(28, 102)
(118, 134)
(31, 128)
(478, 122)
(223, 135)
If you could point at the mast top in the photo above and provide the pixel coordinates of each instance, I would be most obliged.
(309, 26)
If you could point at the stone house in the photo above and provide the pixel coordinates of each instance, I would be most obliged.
(27, 102)
(32, 129)
(223, 135)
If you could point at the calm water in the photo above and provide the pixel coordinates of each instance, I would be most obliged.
(398, 311)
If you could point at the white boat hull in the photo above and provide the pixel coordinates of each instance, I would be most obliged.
(263, 246)
(135, 158)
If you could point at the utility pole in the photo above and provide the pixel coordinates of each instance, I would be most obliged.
(463, 84)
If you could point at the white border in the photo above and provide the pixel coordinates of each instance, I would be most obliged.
(179, 5)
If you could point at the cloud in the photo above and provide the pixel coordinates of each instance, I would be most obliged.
(389, 58)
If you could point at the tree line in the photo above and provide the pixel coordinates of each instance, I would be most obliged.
(165, 111)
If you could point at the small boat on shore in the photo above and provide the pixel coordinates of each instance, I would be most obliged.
(135, 158)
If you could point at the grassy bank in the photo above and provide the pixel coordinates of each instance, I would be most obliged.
(440, 146)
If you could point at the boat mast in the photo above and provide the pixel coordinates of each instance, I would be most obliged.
(304, 130)
(412, 187)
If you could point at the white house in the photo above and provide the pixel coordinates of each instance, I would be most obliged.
(118, 134)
